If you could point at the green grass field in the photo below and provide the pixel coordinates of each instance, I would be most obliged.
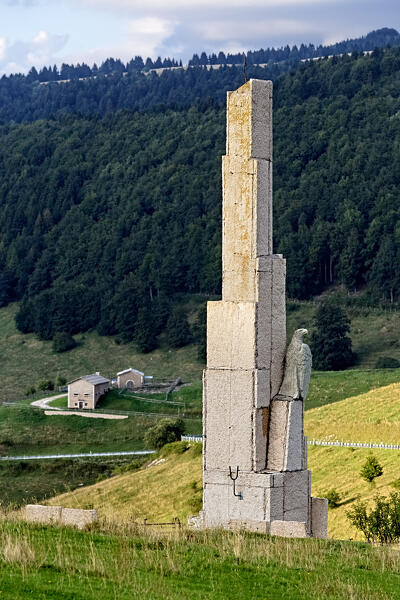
(126, 563)
(24, 359)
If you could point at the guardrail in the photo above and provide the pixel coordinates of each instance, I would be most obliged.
(191, 438)
(199, 438)
(81, 455)
(354, 444)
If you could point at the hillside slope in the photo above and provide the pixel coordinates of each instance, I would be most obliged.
(105, 221)
(130, 564)
(169, 488)
(176, 483)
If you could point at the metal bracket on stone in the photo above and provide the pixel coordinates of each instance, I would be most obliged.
(239, 495)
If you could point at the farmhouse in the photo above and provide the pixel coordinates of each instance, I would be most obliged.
(130, 378)
(86, 391)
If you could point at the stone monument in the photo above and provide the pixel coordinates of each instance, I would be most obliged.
(255, 453)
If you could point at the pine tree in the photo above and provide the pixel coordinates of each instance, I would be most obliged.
(330, 344)
(177, 330)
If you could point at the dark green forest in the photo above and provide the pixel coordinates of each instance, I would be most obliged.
(117, 86)
(106, 221)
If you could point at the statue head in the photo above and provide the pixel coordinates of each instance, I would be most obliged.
(299, 333)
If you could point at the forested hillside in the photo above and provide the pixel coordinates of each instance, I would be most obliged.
(115, 85)
(104, 220)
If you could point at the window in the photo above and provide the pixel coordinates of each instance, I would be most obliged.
(86, 394)
(76, 394)
(76, 404)
(86, 403)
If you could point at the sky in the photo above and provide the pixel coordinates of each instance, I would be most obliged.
(47, 32)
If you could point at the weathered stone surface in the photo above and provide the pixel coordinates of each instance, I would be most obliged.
(294, 437)
(271, 318)
(231, 335)
(260, 438)
(249, 120)
(274, 504)
(290, 529)
(277, 435)
(246, 424)
(296, 489)
(262, 383)
(252, 504)
(319, 517)
(38, 513)
(216, 505)
(73, 517)
(249, 525)
(228, 425)
(78, 518)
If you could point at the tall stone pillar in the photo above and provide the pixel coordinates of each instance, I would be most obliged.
(246, 340)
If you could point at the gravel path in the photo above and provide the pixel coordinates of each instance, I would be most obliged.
(83, 414)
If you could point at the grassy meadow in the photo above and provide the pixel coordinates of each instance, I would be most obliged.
(24, 359)
(176, 482)
(125, 562)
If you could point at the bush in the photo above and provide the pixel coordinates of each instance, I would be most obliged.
(387, 362)
(382, 523)
(333, 498)
(60, 380)
(30, 391)
(371, 469)
(45, 384)
(63, 341)
(164, 432)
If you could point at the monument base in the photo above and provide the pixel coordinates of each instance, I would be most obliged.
(275, 503)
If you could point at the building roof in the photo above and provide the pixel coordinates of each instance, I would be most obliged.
(95, 378)
(130, 370)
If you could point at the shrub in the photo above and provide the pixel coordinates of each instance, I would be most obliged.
(164, 432)
(60, 380)
(63, 341)
(396, 484)
(371, 469)
(387, 362)
(30, 391)
(45, 384)
(175, 448)
(333, 498)
(382, 523)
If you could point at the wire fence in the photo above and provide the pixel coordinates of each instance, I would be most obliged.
(199, 438)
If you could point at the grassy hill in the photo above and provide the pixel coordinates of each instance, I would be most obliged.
(24, 359)
(176, 482)
(126, 563)
(371, 417)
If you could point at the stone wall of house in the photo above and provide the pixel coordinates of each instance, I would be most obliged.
(131, 376)
(99, 391)
(81, 391)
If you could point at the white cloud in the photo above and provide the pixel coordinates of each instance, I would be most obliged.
(144, 36)
(189, 5)
(246, 29)
(3, 46)
(41, 50)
